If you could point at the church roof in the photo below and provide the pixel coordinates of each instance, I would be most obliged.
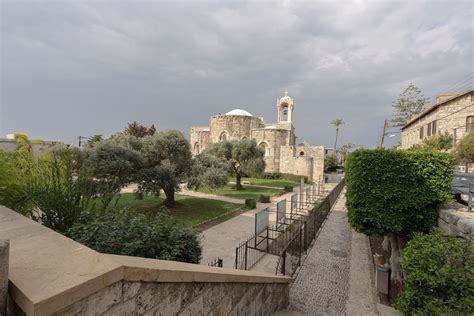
(239, 112)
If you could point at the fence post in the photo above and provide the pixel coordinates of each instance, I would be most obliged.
(301, 243)
(236, 258)
(284, 263)
(268, 250)
(305, 234)
(4, 257)
(469, 197)
(245, 259)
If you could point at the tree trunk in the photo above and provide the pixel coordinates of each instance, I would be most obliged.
(169, 202)
(395, 258)
(238, 180)
(337, 135)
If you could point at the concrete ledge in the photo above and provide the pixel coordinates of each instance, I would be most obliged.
(49, 271)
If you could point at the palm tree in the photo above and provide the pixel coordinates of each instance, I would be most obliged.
(337, 123)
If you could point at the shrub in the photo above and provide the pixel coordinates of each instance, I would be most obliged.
(271, 175)
(264, 198)
(124, 232)
(288, 188)
(251, 203)
(439, 276)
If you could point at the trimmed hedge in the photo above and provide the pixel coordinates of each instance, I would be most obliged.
(264, 198)
(251, 203)
(439, 276)
(396, 191)
(285, 176)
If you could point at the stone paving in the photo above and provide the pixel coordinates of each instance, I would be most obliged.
(335, 278)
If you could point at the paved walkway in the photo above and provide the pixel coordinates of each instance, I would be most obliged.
(335, 278)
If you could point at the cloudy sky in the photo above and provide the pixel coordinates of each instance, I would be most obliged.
(71, 68)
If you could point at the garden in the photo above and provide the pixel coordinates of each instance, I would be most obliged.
(393, 196)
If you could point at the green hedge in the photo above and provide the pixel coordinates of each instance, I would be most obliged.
(396, 191)
(264, 198)
(251, 203)
(285, 176)
(439, 276)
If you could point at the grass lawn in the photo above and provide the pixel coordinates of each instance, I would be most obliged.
(270, 182)
(189, 210)
(246, 193)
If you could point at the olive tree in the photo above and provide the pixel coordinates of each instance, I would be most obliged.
(167, 162)
(207, 171)
(244, 157)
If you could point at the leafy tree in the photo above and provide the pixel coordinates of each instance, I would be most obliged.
(244, 157)
(394, 193)
(138, 130)
(93, 140)
(208, 171)
(168, 161)
(439, 276)
(409, 103)
(330, 162)
(125, 232)
(465, 149)
(437, 142)
(337, 123)
(125, 140)
(345, 149)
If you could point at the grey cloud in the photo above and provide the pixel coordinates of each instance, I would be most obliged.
(74, 68)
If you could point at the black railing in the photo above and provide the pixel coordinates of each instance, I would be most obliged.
(304, 234)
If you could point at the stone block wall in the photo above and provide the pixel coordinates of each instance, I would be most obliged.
(198, 298)
(271, 140)
(237, 127)
(199, 139)
(449, 116)
(454, 219)
(304, 160)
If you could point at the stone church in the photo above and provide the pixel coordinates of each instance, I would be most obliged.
(277, 139)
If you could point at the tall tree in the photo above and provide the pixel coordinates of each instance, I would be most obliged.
(409, 103)
(94, 139)
(337, 123)
(139, 130)
(168, 161)
(243, 157)
(465, 150)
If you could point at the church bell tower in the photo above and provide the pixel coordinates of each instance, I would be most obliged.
(285, 106)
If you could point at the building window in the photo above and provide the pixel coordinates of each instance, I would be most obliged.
(470, 123)
(302, 153)
(428, 130)
(421, 132)
(433, 127)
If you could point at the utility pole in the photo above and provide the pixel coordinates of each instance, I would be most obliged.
(80, 140)
(385, 126)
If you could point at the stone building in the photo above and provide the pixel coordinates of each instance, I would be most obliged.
(453, 113)
(277, 139)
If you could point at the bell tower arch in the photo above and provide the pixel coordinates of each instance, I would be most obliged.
(285, 106)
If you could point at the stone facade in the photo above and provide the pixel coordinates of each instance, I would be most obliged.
(454, 219)
(277, 139)
(453, 113)
(197, 298)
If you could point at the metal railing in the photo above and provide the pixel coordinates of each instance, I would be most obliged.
(217, 262)
(304, 234)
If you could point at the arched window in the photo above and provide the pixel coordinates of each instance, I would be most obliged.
(301, 153)
(196, 148)
(265, 147)
(470, 123)
(223, 136)
(284, 113)
(244, 137)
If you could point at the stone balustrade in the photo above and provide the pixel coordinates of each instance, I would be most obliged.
(50, 274)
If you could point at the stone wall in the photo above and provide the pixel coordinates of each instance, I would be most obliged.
(50, 274)
(454, 219)
(39, 147)
(304, 160)
(449, 116)
(271, 139)
(200, 138)
(236, 127)
(199, 298)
